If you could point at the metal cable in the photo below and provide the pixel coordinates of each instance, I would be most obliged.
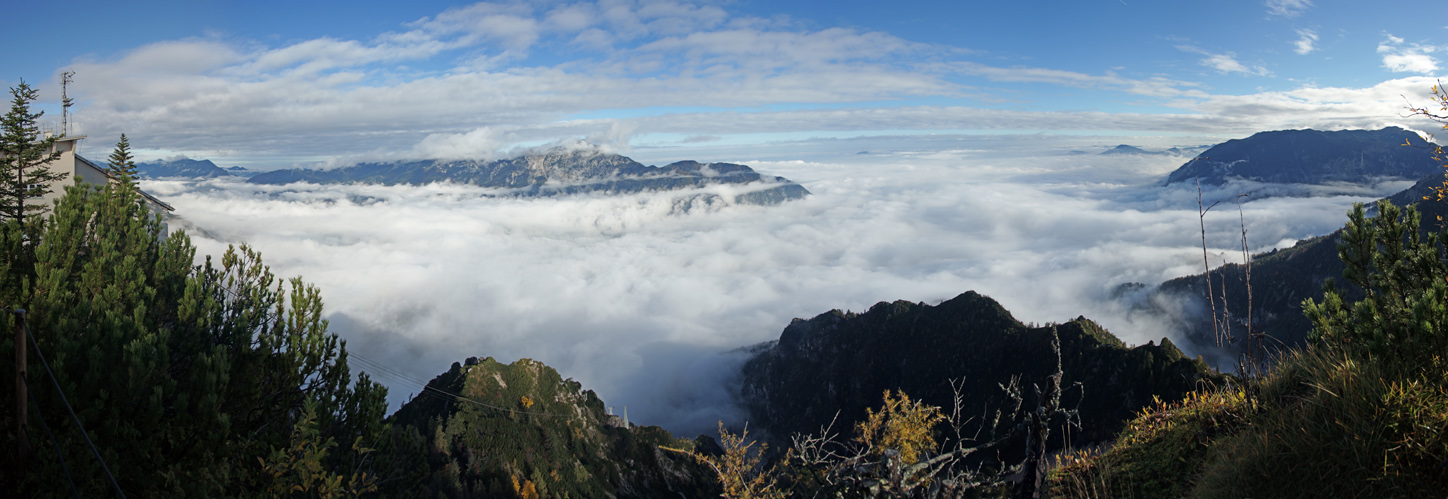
(21, 315)
(58, 455)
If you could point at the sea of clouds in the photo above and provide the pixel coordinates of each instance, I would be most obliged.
(649, 304)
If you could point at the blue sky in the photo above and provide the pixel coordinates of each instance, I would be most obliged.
(270, 84)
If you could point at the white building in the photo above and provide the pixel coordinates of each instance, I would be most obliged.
(71, 165)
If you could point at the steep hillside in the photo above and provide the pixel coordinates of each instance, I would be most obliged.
(558, 172)
(841, 361)
(521, 427)
(1282, 279)
(1362, 412)
(1312, 157)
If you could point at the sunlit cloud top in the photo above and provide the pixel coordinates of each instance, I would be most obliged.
(277, 85)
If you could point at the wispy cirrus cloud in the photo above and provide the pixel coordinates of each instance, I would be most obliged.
(1288, 8)
(1306, 42)
(1154, 86)
(1224, 63)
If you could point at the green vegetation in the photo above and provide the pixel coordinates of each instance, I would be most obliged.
(120, 163)
(23, 155)
(222, 380)
(191, 380)
(1361, 412)
(521, 430)
(740, 467)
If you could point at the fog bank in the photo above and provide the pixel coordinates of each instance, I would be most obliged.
(647, 303)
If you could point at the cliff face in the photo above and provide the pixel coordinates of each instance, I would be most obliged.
(522, 427)
(840, 361)
(557, 173)
(1312, 157)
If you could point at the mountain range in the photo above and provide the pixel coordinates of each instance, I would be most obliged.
(1312, 157)
(1130, 149)
(557, 172)
(183, 168)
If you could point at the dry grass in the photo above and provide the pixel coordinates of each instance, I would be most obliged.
(1322, 424)
(1159, 451)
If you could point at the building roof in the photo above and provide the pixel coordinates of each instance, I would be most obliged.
(108, 174)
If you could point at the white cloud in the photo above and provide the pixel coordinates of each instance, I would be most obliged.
(328, 97)
(1413, 62)
(483, 143)
(1225, 63)
(1325, 108)
(1154, 87)
(639, 301)
(461, 83)
(572, 18)
(1402, 57)
(1306, 42)
(1288, 8)
(512, 25)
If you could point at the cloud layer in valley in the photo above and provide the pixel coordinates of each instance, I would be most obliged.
(647, 303)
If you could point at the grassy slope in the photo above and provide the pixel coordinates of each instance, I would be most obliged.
(1320, 425)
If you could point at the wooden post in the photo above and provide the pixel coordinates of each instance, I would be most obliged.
(22, 420)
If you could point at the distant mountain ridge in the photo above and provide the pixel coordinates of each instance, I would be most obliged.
(556, 172)
(180, 168)
(1130, 149)
(1312, 157)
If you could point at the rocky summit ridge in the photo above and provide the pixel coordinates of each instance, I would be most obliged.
(555, 172)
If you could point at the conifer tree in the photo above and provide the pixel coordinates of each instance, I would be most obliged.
(122, 164)
(23, 157)
(192, 380)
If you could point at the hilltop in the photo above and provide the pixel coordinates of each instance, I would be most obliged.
(521, 430)
(842, 362)
(1312, 157)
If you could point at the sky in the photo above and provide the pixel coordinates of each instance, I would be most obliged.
(276, 84)
(949, 146)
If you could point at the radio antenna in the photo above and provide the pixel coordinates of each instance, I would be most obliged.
(65, 101)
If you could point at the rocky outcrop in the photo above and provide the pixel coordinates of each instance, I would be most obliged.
(494, 430)
(841, 362)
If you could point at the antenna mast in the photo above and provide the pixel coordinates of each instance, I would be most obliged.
(65, 102)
